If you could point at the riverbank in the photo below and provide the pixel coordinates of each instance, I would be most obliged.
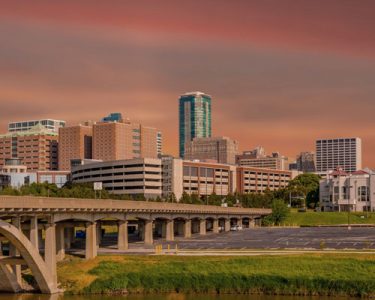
(311, 218)
(308, 274)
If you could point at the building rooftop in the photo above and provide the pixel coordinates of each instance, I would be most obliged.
(38, 129)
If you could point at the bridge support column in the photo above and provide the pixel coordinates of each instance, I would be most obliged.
(215, 227)
(13, 252)
(99, 234)
(50, 249)
(187, 229)
(91, 246)
(34, 232)
(60, 242)
(122, 242)
(148, 232)
(202, 227)
(251, 223)
(69, 236)
(170, 230)
(227, 225)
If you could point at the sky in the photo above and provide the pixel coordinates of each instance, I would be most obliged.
(281, 73)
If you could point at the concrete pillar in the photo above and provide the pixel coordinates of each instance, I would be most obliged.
(251, 223)
(169, 230)
(69, 236)
(91, 246)
(239, 222)
(141, 230)
(50, 249)
(148, 232)
(202, 226)
(187, 229)
(34, 232)
(215, 227)
(99, 234)
(14, 252)
(122, 241)
(164, 229)
(60, 242)
(227, 225)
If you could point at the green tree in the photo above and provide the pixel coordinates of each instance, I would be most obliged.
(280, 212)
(307, 186)
(185, 198)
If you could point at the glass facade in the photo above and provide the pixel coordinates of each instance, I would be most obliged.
(194, 118)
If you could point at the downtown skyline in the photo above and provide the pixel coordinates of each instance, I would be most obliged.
(271, 85)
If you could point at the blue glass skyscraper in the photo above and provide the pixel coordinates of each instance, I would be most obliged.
(194, 118)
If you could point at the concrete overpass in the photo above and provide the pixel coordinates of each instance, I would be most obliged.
(39, 230)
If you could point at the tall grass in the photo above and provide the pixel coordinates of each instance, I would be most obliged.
(286, 275)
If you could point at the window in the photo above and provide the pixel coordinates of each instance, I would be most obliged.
(363, 193)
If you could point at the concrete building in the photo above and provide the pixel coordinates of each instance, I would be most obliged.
(36, 147)
(343, 191)
(119, 141)
(159, 142)
(219, 149)
(13, 165)
(345, 153)
(140, 176)
(258, 180)
(194, 118)
(50, 124)
(75, 142)
(203, 178)
(305, 162)
(257, 158)
(172, 181)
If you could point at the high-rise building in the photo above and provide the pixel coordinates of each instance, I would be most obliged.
(75, 142)
(306, 162)
(344, 153)
(218, 149)
(159, 142)
(115, 141)
(36, 148)
(257, 158)
(50, 124)
(194, 118)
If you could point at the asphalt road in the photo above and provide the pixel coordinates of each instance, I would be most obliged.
(282, 238)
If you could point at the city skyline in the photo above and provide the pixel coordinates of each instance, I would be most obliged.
(271, 85)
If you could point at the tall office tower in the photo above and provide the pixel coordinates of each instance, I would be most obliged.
(36, 148)
(115, 141)
(75, 142)
(50, 124)
(219, 149)
(159, 142)
(194, 118)
(306, 162)
(257, 158)
(345, 153)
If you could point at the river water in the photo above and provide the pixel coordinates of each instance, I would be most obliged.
(160, 297)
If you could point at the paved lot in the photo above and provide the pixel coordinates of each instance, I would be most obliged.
(283, 238)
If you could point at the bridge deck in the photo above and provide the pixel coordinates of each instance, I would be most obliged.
(43, 204)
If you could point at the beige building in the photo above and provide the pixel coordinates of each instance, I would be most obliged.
(36, 147)
(119, 141)
(207, 178)
(258, 180)
(219, 149)
(257, 158)
(75, 142)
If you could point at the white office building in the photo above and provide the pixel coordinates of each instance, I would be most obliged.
(344, 153)
(342, 191)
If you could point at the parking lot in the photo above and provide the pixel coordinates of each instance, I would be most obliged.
(284, 238)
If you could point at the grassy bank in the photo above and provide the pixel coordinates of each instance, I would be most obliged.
(328, 218)
(290, 275)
